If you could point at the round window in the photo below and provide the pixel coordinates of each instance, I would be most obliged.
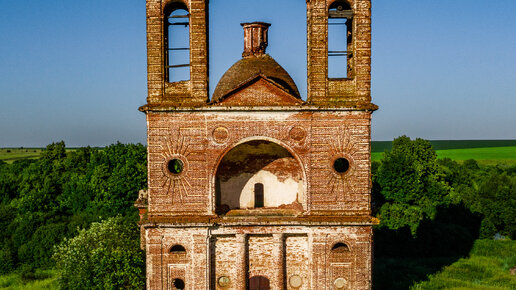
(175, 166)
(295, 281)
(340, 283)
(224, 281)
(341, 165)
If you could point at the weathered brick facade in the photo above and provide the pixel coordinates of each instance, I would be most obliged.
(256, 188)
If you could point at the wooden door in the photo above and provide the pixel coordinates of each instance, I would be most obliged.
(259, 283)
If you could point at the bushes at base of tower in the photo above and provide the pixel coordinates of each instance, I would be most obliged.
(46, 200)
(105, 256)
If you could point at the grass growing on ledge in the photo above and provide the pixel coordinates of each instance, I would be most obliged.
(487, 267)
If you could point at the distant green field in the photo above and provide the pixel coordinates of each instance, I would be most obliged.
(486, 152)
(380, 146)
(484, 156)
(11, 154)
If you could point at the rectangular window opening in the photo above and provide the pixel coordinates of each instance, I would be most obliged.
(339, 44)
(258, 195)
(178, 46)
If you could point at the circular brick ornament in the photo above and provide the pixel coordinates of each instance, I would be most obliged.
(224, 281)
(295, 281)
(340, 283)
(220, 135)
(297, 133)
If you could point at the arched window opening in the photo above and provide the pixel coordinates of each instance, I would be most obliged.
(258, 174)
(258, 195)
(340, 248)
(178, 249)
(340, 37)
(177, 41)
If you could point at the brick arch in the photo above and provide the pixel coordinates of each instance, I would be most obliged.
(177, 248)
(338, 256)
(349, 2)
(171, 5)
(334, 247)
(279, 143)
(176, 253)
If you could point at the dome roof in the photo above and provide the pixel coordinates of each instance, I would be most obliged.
(247, 69)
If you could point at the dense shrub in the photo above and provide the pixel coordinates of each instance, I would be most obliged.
(105, 256)
(411, 184)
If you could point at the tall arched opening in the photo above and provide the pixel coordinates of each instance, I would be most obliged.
(258, 174)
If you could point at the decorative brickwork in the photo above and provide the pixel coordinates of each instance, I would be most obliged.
(258, 189)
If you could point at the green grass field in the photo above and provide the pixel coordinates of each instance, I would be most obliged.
(487, 267)
(9, 155)
(484, 155)
(380, 146)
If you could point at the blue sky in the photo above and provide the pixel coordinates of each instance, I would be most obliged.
(76, 70)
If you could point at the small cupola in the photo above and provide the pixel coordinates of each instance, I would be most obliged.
(255, 38)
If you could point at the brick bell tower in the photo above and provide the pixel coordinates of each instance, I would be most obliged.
(254, 188)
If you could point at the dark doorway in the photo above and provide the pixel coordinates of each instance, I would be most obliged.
(178, 284)
(259, 283)
(258, 195)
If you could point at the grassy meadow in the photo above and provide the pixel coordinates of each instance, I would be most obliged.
(485, 152)
(10, 155)
(488, 266)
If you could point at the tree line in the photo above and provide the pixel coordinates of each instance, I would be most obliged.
(48, 201)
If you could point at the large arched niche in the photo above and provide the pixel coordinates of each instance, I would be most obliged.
(258, 174)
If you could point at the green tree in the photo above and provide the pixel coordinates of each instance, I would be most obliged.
(495, 199)
(105, 256)
(411, 183)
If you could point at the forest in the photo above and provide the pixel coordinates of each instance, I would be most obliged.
(68, 216)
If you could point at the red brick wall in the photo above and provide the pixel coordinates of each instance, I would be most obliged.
(192, 137)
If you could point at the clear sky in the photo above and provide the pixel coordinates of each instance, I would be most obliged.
(76, 70)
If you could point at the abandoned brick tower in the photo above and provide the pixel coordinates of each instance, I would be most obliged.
(253, 187)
